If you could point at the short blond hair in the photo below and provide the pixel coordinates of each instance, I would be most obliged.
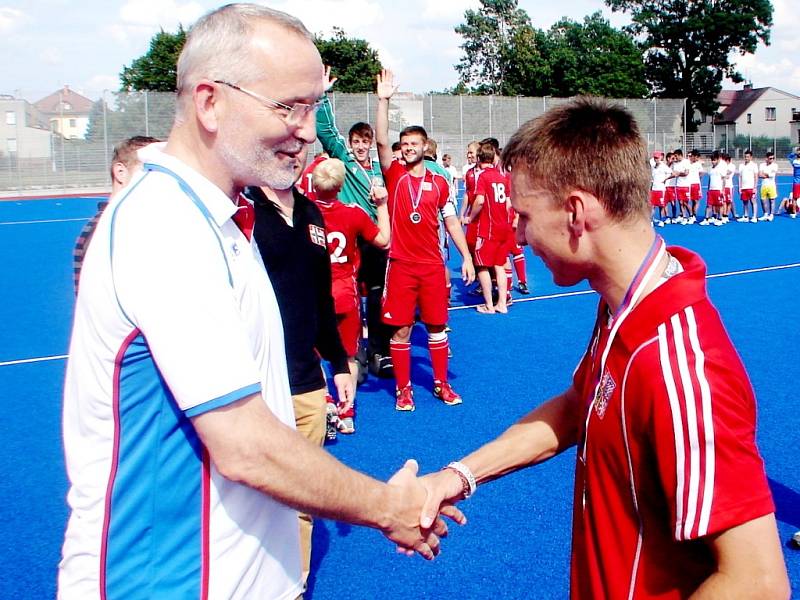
(328, 176)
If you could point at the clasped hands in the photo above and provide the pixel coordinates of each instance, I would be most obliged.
(416, 506)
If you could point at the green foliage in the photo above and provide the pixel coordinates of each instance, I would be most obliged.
(689, 44)
(351, 60)
(490, 37)
(761, 144)
(594, 58)
(504, 54)
(155, 71)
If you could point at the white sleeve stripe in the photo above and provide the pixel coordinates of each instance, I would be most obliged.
(708, 423)
(691, 426)
(677, 425)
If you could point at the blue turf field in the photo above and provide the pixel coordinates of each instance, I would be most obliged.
(516, 544)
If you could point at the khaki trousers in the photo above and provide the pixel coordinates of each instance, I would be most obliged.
(309, 417)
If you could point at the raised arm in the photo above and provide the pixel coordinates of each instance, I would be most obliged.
(380, 196)
(384, 89)
(330, 137)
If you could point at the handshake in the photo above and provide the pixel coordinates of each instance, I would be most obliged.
(415, 507)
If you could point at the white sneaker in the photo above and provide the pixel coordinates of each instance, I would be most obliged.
(770, 217)
(793, 215)
(763, 218)
(742, 220)
(724, 219)
(661, 223)
(754, 220)
(705, 222)
(692, 219)
(717, 222)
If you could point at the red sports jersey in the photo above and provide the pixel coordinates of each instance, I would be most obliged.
(495, 188)
(416, 242)
(304, 184)
(344, 223)
(670, 446)
(471, 183)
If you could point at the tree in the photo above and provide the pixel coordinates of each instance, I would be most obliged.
(157, 69)
(689, 44)
(351, 60)
(504, 54)
(490, 34)
(594, 58)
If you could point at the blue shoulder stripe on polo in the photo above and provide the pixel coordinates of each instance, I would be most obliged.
(229, 398)
(155, 521)
(111, 245)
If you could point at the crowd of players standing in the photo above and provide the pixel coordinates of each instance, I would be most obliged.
(676, 188)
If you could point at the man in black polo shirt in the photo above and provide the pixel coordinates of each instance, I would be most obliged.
(290, 233)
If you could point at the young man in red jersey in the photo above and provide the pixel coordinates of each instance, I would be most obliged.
(490, 210)
(344, 225)
(671, 498)
(415, 277)
(305, 183)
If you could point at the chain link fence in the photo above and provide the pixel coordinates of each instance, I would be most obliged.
(74, 165)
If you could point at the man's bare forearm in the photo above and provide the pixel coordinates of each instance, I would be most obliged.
(541, 434)
(249, 445)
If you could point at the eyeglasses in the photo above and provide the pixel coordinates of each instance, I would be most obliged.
(291, 115)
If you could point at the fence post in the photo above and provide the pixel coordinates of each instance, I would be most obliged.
(461, 119)
(146, 115)
(105, 133)
(655, 123)
(430, 105)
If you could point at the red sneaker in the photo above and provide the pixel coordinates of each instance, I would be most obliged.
(405, 399)
(445, 393)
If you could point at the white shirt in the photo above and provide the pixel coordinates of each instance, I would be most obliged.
(716, 176)
(175, 317)
(770, 170)
(659, 175)
(680, 167)
(730, 172)
(748, 173)
(695, 169)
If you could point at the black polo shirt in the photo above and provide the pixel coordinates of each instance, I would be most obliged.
(298, 264)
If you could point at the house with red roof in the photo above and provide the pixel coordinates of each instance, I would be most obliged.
(67, 111)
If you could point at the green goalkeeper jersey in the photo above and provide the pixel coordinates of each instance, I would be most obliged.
(358, 180)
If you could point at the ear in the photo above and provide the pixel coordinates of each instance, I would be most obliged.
(120, 173)
(576, 207)
(207, 102)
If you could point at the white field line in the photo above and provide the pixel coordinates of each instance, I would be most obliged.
(453, 308)
(585, 292)
(43, 221)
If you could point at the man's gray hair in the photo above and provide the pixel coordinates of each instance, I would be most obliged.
(217, 47)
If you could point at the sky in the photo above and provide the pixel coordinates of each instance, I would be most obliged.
(46, 44)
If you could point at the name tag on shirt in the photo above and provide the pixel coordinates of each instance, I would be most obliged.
(426, 186)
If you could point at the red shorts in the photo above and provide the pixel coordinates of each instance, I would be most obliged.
(728, 195)
(669, 195)
(491, 252)
(747, 195)
(682, 193)
(657, 198)
(796, 191)
(349, 325)
(345, 295)
(472, 236)
(513, 248)
(694, 192)
(409, 285)
(714, 198)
